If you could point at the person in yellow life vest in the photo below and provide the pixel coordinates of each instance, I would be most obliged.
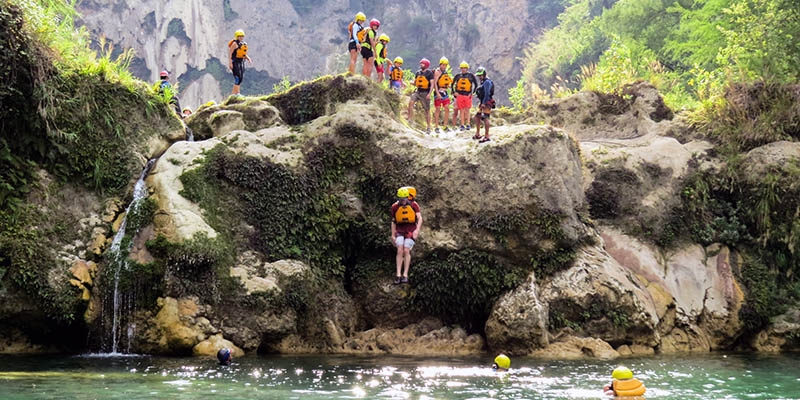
(380, 56)
(368, 43)
(624, 384)
(441, 92)
(353, 44)
(406, 223)
(396, 75)
(464, 85)
(237, 53)
(423, 80)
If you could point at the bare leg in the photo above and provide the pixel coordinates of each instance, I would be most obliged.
(486, 122)
(407, 253)
(428, 118)
(235, 89)
(410, 109)
(446, 115)
(353, 57)
(399, 259)
(436, 117)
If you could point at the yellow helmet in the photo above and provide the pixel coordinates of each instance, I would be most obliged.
(211, 103)
(464, 65)
(502, 361)
(399, 60)
(238, 33)
(622, 373)
(412, 192)
(444, 61)
(402, 192)
(384, 36)
(361, 17)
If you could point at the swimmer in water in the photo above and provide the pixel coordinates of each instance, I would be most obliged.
(501, 363)
(224, 356)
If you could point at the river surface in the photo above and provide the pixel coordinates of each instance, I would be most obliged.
(714, 376)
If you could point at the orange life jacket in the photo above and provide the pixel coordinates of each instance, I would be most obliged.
(628, 387)
(364, 36)
(241, 51)
(396, 74)
(444, 81)
(405, 215)
(463, 85)
(421, 81)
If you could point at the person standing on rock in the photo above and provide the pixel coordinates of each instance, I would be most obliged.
(396, 76)
(464, 85)
(237, 53)
(380, 56)
(406, 223)
(167, 90)
(368, 43)
(354, 45)
(423, 80)
(441, 91)
(485, 94)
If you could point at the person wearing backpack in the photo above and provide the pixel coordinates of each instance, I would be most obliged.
(353, 45)
(368, 42)
(485, 94)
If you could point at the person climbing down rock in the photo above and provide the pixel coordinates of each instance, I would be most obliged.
(187, 112)
(380, 56)
(166, 89)
(441, 90)
(485, 94)
(396, 75)
(367, 39)
(237, 53)
(406, 223)
(624, 384)
(464, 85)
(353, 44)
(422, 81)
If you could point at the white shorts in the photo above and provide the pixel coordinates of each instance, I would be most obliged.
(403, 241)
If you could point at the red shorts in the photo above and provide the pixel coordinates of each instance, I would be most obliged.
(441, 102)
(463, 101)
(379, 68)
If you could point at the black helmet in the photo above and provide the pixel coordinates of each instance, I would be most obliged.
(480, 71)
(224, 356)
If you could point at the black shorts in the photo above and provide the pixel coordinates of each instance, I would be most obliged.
(366, 53)
(351, 46)
(238, 72)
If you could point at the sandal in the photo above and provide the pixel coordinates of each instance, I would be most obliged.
(397, 280)
(484, 140)
(477, 136)
(404, 280)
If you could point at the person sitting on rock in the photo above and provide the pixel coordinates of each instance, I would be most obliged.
(624, 384)
(406, 223)
(224, 356)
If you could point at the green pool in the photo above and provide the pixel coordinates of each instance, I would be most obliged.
(715, 376)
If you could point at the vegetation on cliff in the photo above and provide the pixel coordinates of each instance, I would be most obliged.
(80, 117)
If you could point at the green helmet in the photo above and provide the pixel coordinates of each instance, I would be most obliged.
(480, 71)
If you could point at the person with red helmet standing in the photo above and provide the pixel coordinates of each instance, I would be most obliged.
(424, 83)
(165, 89)
(368, 43)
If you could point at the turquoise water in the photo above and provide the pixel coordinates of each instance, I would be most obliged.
(713, 376)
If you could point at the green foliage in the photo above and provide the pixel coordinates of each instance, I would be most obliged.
(687, 49)
(230, 15)
(176, 29)
(304, 7)
(283, 85)
(461, 287)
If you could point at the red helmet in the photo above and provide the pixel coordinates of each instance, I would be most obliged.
(374, 23)
(164, 73)
(425, 62)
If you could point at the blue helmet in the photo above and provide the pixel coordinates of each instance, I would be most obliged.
(224, 356)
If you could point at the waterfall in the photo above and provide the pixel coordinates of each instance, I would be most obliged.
(189, 134)
(118, 259)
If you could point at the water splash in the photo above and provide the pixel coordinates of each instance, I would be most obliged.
(119, 261)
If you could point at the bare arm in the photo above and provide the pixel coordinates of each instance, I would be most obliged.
(230, 55)
(394, 231)
(436, 76)
(419, 225)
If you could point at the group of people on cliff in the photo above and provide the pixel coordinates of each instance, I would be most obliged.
(461, 87)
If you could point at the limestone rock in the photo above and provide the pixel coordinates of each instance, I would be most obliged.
(213, 344)
(428, 337)
(704, 289)
(176, 329)
(225, 121)
(517, 324)
(573, 347)
(782, 334)
(759, 160)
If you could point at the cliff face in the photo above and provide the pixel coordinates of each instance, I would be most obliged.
(270, 233)
(304, 39)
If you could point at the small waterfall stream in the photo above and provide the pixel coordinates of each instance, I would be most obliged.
(118, 260)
